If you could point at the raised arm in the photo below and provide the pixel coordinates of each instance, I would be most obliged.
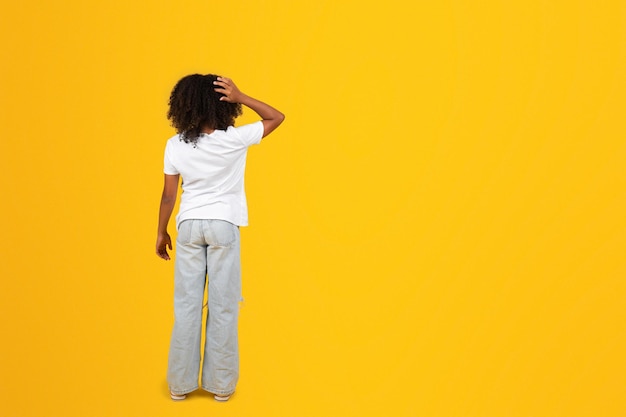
(272, 118)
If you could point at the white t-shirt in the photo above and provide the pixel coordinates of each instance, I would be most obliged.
(212, 173)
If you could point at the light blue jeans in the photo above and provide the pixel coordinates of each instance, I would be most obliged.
(206, 251)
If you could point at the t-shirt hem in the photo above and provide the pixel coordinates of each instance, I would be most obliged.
(180, 219)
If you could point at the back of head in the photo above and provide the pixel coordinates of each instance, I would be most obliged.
(195, 105)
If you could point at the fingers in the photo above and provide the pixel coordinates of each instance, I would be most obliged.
(223, 88)
(161, 248)
(223, 82)
(163, 255)
(227, 87)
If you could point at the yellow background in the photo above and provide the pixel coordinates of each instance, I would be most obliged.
(438, 228)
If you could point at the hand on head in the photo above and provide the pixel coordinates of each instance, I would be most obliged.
(227, 87)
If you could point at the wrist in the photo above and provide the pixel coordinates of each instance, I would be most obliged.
(243, 98)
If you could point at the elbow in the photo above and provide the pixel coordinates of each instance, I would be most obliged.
(269, 125)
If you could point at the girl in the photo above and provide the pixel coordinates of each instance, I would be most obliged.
(210, 155)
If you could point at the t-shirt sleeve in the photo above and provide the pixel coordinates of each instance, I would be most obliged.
(168, 166)
(250, 134)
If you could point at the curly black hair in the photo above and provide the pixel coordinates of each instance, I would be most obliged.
(195, 105)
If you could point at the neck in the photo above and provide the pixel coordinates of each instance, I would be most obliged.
(207, 129)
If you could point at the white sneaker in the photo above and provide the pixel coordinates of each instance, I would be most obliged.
(177, 397)
(221, 397)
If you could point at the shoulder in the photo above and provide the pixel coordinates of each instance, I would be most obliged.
(174, 142)
(249, 134)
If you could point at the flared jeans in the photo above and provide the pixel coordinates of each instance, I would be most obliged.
(207, 251)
